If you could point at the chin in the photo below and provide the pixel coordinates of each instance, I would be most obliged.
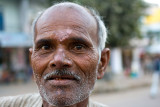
(62, 97)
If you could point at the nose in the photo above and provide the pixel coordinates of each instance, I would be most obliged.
(60, 60)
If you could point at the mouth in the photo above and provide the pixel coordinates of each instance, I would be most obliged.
(60, 78)
(60, 81)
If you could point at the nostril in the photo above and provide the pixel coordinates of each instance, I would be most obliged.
(65, 65)
(53, 65)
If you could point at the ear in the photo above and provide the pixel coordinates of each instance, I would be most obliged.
(105, 56)
(30, 54)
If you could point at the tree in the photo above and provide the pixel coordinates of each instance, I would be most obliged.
(122, 18)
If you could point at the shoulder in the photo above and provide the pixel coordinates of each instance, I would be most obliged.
(28, 100)
(96, 104)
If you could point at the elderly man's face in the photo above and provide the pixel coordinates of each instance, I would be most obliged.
(65, 56)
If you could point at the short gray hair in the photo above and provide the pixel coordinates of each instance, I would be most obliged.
(102, 31)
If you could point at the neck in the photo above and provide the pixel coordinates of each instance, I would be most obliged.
(83, 103)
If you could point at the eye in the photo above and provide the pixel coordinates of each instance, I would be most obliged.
(78, 47)
(45, 47)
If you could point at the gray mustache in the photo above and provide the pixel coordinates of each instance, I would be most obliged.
(62, 72)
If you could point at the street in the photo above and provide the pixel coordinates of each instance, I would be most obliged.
(138, 97)
(131, 98)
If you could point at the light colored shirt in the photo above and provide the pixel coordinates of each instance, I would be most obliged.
(32, 100)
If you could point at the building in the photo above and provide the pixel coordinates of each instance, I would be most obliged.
(151, 29)
(16, 17)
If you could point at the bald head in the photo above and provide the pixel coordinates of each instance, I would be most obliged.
(69, 11)
(73, 12)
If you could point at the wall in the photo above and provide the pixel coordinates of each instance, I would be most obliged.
(11, 16)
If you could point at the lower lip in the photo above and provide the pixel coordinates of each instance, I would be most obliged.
(62, 82)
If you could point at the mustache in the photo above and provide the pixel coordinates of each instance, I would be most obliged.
(62, 72)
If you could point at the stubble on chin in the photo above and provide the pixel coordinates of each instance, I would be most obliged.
(61, 97)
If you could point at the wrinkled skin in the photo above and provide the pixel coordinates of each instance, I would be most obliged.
(66, 40)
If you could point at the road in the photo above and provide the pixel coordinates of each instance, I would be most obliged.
(129, 98)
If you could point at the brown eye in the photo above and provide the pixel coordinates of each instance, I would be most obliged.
(78, 47)
(45, 47)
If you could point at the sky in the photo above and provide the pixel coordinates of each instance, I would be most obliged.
(153, 1)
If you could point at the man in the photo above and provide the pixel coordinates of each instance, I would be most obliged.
(155, 76)
(67, 57)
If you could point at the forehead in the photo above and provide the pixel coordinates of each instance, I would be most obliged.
(67, 15)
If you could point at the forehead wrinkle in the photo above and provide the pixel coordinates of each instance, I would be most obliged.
(49, 28)
(77, 17)
(55, 30)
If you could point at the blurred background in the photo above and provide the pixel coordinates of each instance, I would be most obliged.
(133, 37)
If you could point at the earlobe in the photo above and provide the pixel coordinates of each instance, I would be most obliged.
(105, 55)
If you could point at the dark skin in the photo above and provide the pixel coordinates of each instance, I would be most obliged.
(66, 38)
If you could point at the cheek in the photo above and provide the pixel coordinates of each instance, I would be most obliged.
(88, 64)
(39, 65)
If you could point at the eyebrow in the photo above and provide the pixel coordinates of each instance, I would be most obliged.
(41, 41)
(73, 39)
(79, 39)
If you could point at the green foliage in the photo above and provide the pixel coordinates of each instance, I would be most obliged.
(120, 16)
